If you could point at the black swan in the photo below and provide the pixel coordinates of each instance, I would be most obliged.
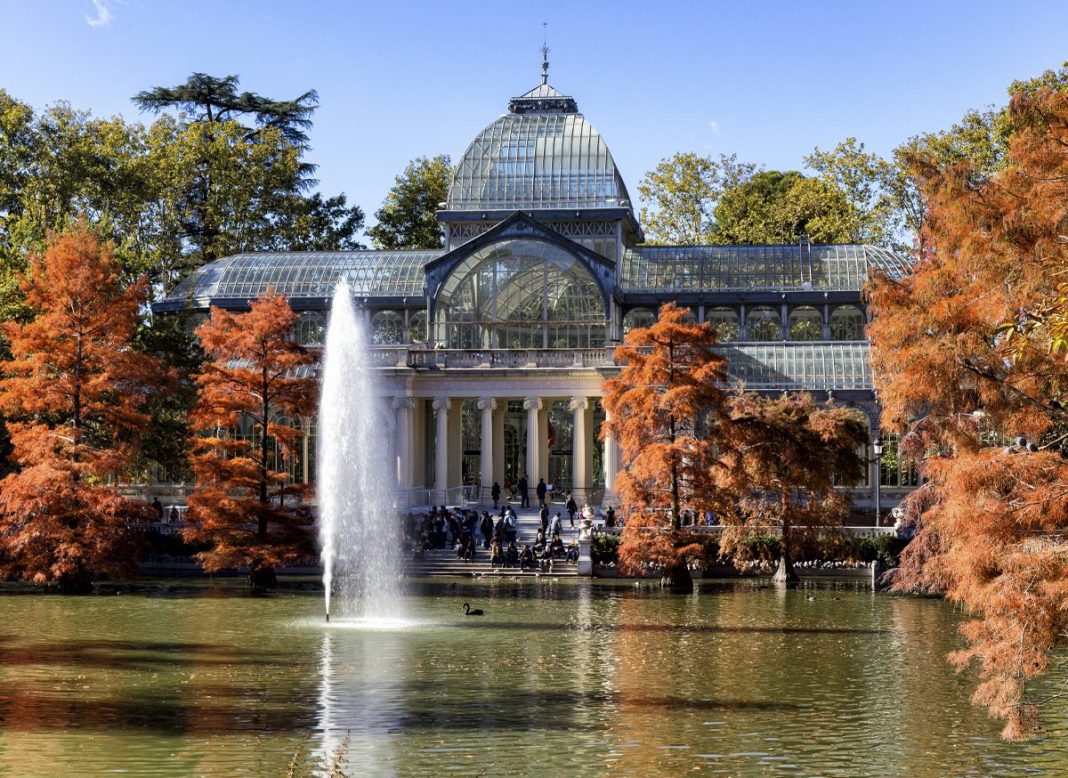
(469, 612)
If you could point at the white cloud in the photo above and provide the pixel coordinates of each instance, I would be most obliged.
(103, 14)
(714, 125)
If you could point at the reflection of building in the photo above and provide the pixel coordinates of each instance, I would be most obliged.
(494, 348)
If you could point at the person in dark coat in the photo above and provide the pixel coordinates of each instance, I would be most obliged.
(544, 513)
(572, 509)
(486, 528)
(495, 493)
(541, 490)
(524, 493)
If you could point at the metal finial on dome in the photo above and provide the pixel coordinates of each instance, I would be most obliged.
(545, 53)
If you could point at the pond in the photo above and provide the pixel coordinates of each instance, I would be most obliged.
(565, 677)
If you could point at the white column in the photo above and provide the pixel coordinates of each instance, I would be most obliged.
(441, 448)
(404, 407)
(498, 442)
(579, 448)
(611, 462)
(487, 405)
(532, 405)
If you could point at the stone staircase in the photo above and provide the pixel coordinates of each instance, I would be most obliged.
(445, 562)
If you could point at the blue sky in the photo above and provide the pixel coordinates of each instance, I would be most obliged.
(768, 81)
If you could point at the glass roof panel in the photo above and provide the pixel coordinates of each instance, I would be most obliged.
(797, 366)
(683, 269)
(309, 274)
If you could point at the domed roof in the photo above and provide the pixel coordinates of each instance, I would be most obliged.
(542, 154)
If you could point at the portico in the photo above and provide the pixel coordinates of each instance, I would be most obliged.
(551, 435)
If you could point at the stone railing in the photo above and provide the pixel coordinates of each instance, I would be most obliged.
(508, 358)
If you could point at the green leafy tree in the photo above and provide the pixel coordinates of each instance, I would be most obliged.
(235, 177)
(870, 188)
(779, 207)
(407, 218)
(681, 193)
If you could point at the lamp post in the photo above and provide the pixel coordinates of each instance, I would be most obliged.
(877, 447)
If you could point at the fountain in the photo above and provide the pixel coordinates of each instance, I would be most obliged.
(357, 523)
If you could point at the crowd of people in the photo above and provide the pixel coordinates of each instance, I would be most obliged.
(466, 531)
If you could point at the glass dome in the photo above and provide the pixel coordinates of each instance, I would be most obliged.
(519, 294)
(542, 154)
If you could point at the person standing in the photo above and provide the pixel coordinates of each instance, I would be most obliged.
(554, 526)
(495, 493)
(542, 489)
(524, 496)
(544, 513)
(572, 509)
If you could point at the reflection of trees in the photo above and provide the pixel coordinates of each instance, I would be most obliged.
(929, 692)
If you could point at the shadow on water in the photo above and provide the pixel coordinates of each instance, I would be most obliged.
(702, 629)
(24, 709)
(225, 710)
(531, 710)
(133, 655)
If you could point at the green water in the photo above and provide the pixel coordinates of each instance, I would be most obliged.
(558, 678)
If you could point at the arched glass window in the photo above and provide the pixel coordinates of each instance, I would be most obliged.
(762, 323)
(417, 327)
(847, 323)
(725, 322)
(520, 294)
(311, 328)
(637, 318)
(806, 323)
(387, 328)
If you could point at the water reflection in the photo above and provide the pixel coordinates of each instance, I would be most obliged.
(554, 679)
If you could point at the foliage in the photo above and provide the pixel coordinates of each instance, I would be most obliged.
(169, 197)
(240, 504)
(209, 99)
(777, 207)
(961, 348)
(604, 548)
(881, 206)
(853, 196)
(164, 450)
(783, 458)
(682, 192)
(75, 393)
(665, 411)
(407, 219)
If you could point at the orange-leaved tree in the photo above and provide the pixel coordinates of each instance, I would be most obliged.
(966, 354)
(665, 410)
(251, 396)
(74, 394)
(783, 459)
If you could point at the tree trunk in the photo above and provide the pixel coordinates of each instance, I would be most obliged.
(677, 578)
(785, 573)
(261, 578)
(77, 582)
